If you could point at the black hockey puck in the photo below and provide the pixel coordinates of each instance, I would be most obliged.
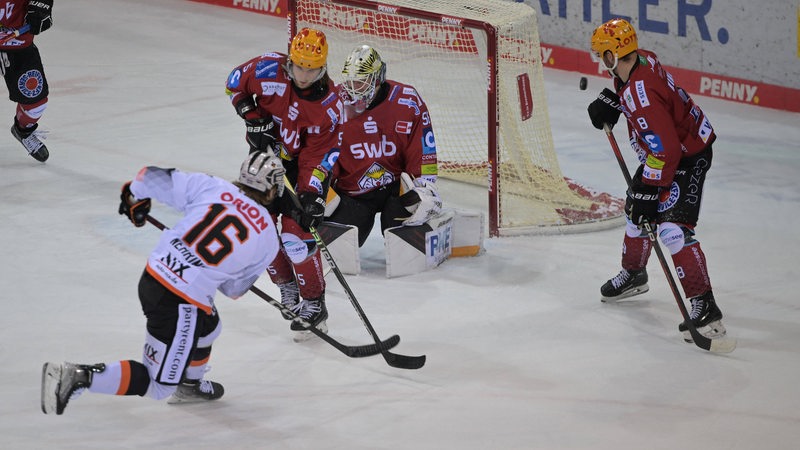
(584, 82)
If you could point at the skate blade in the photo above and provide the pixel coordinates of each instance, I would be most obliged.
(51, 381)
(304, 335)
(635, 291)
(176, 400)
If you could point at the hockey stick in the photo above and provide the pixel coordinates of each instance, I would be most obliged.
(352, 351)
(393, 359)
(15, 34)
(716, 345)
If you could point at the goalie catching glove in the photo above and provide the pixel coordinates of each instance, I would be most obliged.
(136, 210)
(421, 199)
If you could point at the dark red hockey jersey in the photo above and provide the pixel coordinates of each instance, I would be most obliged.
(664, 124)
(394, 136)
(12, 17)
(308, 121)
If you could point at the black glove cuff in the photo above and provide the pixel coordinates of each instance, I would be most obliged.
(244, 106)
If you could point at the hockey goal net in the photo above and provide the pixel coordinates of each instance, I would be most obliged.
(477, 65)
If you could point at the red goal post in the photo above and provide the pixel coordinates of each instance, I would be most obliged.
(477, 65)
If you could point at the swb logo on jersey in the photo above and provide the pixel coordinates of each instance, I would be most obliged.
(385, 147)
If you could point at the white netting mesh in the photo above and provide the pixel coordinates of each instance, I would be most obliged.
(447, 63)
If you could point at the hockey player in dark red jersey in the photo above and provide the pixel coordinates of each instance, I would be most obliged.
(386, 132)
(291, 99)
(224, 242)
(23, 69)
(672, 138)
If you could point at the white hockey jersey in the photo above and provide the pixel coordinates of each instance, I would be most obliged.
(224, 241)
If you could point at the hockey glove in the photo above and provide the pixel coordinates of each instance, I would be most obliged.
(134, 209)
(422, 201)
(259, 134)
(313, 210)
(39, 16)
(642, 203)
(605, 109)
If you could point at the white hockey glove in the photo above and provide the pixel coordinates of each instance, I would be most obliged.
(422, 201)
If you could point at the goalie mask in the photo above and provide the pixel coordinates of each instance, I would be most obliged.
(363, 73)
(262, 171)
(616, 36)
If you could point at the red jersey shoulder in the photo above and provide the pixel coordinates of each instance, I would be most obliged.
(265, 71)
(406, 96)
(648, 85)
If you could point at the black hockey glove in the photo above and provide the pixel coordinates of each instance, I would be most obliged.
(605, 109)
(39, 16)
(642, 203)
(259, 134)
(313, 210)
(134, 209)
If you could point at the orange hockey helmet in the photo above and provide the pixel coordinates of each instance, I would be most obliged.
(309, 49)
(616, 36)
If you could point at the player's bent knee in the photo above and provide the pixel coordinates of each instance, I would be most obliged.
(296, 248)
(675, 236)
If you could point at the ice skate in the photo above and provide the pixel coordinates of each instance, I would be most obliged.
(706, 318)
(626, 284)
(60, 383)
(193, 391)
(290, 298)
(31, 139)
(315, 313)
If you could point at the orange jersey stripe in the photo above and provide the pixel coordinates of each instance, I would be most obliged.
(175, 291)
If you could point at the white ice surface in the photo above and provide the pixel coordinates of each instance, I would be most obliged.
(521, 353)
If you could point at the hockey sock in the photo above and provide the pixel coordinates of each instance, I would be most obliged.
(28, 115)
(635, 251)
(280, 270)
(690, 265)
(121, 378)
(311, 272)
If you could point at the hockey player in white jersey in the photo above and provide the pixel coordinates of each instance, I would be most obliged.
(224, 241)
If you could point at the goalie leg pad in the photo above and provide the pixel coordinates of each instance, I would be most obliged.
(468, 233)
(342, 243)
(411, 250)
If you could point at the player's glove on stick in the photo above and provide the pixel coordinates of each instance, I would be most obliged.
(422, 201)
(605, 109)
(259, 134)
(39, 15)
(136, 210)
(642, 203)
(313, 210)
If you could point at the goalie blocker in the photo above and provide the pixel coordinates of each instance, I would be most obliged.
(411, 249)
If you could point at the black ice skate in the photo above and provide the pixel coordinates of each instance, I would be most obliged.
(60, 382)
(315, 313)
(706, 318)
(193, 391)
(627, 283)
(31, 140)
(290, 298)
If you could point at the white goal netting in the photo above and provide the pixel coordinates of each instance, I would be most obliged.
(492, 128)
